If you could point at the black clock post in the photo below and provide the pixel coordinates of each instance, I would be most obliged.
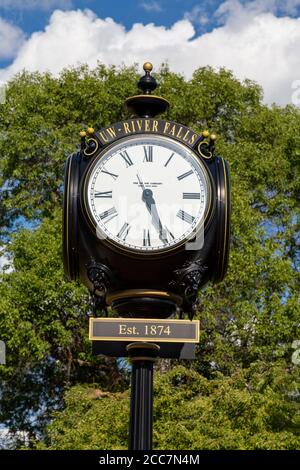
(149, 274)
(142, 357)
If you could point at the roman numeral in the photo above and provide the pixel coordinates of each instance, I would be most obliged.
(124, 231)
(188, 173)
(108, 173)
(148, 151)
(109, 214)
(104, 194)
(146, 238)
(191, 195)
(169, 235)
(185, 216)
(168, 161)
(127, 158)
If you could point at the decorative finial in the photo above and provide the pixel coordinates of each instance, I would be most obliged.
(82, 140)
(147, 66)
(206, 147)
(147, 105)
(90, 131)
(147, 83)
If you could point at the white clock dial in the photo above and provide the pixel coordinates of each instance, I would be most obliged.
(147, 193)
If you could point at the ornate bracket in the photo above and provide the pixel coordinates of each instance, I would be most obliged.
(101, 277)
(206, 148)
(187, 281)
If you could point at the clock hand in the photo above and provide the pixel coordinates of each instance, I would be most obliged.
(147, 197)
(140, 182)
(151, 206)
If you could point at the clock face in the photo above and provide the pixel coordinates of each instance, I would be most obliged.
(147, 194)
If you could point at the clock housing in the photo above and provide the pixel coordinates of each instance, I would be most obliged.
(104, 259)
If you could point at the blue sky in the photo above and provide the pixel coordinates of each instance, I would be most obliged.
(256, 39)
(127, 12)
(33, 15)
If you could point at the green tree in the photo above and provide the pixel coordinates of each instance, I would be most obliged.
(241, 392)
(245, 411)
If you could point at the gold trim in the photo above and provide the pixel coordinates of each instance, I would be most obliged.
(143, 345)
(160, 98)
(146, 339)
(142, 293)
(202, 154)
(161, 252)
(95, 150)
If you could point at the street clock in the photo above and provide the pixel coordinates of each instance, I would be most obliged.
(146, 211)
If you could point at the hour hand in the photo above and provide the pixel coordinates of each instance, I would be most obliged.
(151, 206)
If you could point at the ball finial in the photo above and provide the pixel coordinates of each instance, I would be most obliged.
(90, 131)
(205, 133)
(213, 136)
(147, 66)
(82, 133)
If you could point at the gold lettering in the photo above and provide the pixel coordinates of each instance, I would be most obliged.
(185, 136)
(192, 139)
(172, 131)
(103, 137)
(139, 124)
(167, 125)
(126, 128)
(111, 132)
(133, 126)
(122, 329)
(154, 126)
(147, 125)
(179, 133)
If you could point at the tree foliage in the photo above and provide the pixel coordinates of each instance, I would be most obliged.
(241, 392)
(245, 411)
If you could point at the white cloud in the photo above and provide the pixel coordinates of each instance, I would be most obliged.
(237, 8)
(198, 15)
(151, 5)
(256, 45)
(11, 38)
(35, 4)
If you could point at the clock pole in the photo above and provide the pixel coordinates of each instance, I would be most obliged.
(143, 356)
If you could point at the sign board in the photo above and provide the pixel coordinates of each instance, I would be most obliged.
(139, 329)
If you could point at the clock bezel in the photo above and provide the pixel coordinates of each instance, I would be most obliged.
(205, 222)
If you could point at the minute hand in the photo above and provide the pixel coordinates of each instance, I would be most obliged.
(151, 206)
